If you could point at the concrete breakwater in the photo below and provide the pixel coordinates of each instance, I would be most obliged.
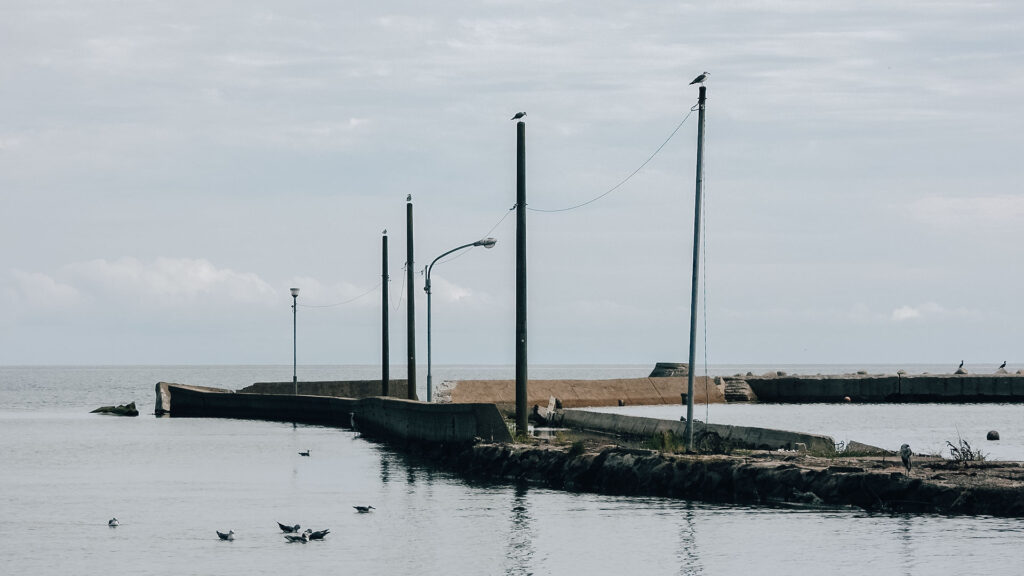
(883, 387)
(638, 427)
(581, 393)
(760, 478)
(391, 418)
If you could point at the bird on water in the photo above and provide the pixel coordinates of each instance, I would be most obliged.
(363, 509)
(113, 523)
(905, 455)
(229, 536)
(287, 528)
(319, 534)
(306, 453)
(304, 537)
(519, 115)
(700, 79)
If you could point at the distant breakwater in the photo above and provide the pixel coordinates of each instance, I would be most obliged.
(863, 387)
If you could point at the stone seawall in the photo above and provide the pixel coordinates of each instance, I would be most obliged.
(396, 419)
(887, 388)
(757, 479)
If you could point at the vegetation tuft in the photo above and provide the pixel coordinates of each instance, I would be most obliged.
(962, 453)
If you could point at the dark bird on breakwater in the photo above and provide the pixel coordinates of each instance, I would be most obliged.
(288, 528)
(319, 534)
(1003, 365)
(304, 537)
(905, 455)
(229, 536)
(306, 453)
(700, 79)
(113, 523)
(363, 509)
(961, 365)
(519, 115)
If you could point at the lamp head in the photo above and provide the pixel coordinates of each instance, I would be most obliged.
(295, 292)
(486, 242)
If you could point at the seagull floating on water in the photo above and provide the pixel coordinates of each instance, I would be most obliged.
(304, 537)
(363, 509)
(905, 455)
(113, 523)
(519, 115)
(700, 79)
(319, 534)
(229, 536)
(287, 528)
(306, 453)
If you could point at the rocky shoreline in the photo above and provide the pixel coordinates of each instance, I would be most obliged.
(776, 478)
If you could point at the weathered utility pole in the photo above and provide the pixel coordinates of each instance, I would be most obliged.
(410, 268)
(385, 360)
(521, 366)
(696, 269)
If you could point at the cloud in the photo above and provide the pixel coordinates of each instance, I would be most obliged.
(1000, 211)
(164, 282)
(928, 310)
(40, 291)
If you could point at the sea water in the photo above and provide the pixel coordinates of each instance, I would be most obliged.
(172, 482)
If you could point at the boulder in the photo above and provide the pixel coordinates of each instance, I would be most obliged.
(121, 410)
(992, 435)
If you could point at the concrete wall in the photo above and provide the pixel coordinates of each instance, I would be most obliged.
(889, 388)
(387, 417)
(339, 388)
(582, 393)
(740, 436)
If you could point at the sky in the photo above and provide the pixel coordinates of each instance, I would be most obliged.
(168, 170)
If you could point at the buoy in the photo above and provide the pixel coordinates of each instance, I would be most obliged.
(992, 435)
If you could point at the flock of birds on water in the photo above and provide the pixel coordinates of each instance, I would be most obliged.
(291, 532)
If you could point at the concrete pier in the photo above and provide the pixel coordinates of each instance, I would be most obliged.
(390, 418)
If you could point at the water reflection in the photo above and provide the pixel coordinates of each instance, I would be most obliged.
(906, 544)
(519, 552)
(689, 559)
(385, 470)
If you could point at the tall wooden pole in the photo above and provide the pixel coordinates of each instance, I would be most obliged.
(521, 365)
(410, 278)
(385, 305)
(696, 269)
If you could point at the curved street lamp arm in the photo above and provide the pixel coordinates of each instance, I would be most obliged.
(429, 268)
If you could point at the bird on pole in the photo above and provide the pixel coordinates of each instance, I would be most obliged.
(519, 115)
(700, 79)
(905, 455)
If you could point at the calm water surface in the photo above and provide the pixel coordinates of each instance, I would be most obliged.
(172, 482)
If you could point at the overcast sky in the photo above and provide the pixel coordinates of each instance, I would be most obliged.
(169, 170)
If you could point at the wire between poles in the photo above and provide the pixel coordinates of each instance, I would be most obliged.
(627, 178)
(349, 301)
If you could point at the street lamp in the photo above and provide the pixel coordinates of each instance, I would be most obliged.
(295, 307)
(486, 243)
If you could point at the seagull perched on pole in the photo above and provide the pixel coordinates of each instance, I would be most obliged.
(700, 79)
(905, 455)
(519, 115)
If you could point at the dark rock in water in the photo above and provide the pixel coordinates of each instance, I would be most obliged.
(669, 369)
(122, 410)
(992, 435)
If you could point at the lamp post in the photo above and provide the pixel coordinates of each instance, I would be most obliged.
(295, 356)
(486, 243)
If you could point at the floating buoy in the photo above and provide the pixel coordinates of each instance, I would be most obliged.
(992, 435)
